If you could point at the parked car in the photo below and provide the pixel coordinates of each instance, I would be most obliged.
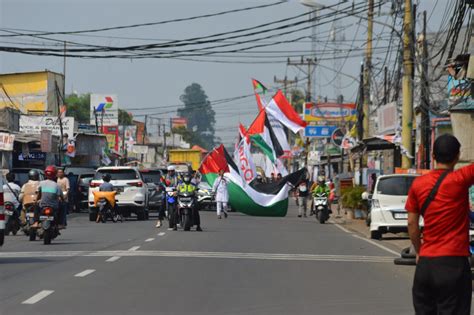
(21, 174)
(152, 178)
(388, 214)
(132, 192)
(205, 197)
(2, 213)
(82, 191)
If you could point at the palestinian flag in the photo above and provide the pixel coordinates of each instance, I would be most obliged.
(255, 199)
(262, 135)
(281, 109)
(257, 85)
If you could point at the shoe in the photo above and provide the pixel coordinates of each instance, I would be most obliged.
(219, 217)
(158, 224)
(199, 229)
(299, 215)
(225, 215)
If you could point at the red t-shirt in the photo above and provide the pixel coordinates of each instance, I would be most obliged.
(446, 228)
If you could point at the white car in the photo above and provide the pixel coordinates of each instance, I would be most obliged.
(388, 214)
(132, 192)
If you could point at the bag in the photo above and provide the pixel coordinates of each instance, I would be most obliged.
(433, 192)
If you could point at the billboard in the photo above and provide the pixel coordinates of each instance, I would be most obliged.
(178, 122)
(105, 107)
(34, 124)
(112, 135)
(324, 113)
(387, 121)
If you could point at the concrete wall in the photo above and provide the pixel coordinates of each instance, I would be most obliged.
(463, 128)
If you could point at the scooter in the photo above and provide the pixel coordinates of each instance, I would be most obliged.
(186, 204)
(321, 207)
(170, 201)
(106, 211)
(48, 228)
(12, 222)
(30, 219)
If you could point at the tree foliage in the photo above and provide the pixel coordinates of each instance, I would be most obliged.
(297, 99)
(200, 115)
(78, 106)
(125, 118)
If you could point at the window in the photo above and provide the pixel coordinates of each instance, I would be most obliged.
(152, 176)
(119, 174)
(395, 186)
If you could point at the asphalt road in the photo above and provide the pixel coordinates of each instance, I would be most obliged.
(239, 265)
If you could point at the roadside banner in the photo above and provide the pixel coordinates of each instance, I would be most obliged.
(178, 122)
(105, 106)
(330, 112)
(34, 125)
(6, 141)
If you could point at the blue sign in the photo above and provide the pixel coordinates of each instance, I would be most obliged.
(319, 131)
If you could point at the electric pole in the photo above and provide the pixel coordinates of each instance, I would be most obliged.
(310, 63)
(367, 70)
(407, 85)
(425, 114)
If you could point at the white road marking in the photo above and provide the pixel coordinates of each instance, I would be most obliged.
(161, 233)
(113, 258)
(377, 244)
(38, 297)
(134, 248)
(342, 228)
(216, 255)
(150, 239)
(84, 273)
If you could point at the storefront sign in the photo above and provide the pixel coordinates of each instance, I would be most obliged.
(337, 136)
(34, 125)
(104, 110)
(387, 121)
(6, 141)
(32, 156)
(319, 131)
(330, 112)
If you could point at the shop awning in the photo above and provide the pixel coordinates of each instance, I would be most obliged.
(373, 144)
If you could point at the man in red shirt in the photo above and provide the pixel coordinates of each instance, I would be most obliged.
(442, 282)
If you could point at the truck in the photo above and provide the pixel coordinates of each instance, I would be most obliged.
(178, 156)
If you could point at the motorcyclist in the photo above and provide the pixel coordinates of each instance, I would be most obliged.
(188, 187)
(28, 192)
(106, 185)
(49, 194)
(171, 180)
(320, 187)
(11, 193)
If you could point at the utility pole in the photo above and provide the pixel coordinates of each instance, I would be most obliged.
(385, 85)
(285, 83)
(407, 84)
(425, 105)
(367, 69)
(310, 63)
(64, 73)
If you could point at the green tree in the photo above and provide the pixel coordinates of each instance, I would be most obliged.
(125, 118)
(200, 115)
(297, 99)
(78, 106)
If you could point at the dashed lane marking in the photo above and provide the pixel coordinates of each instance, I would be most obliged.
(150, 239)
(84, 273)
(191, 254)
(38, 297)
(113, 258)
(134, 248)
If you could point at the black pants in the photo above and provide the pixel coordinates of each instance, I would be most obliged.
(196, 217)
(442, 285)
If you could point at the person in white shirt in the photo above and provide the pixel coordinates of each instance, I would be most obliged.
(11, 191)
(222, 195)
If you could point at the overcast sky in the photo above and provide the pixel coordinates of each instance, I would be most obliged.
(159, 83)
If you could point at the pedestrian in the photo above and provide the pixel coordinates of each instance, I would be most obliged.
(272, 178)
(63, 183)
(279, 177)
(222, 195)
(303, 192)
(442, 282)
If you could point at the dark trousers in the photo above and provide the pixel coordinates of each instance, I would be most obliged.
(196, 217)
(442, 285)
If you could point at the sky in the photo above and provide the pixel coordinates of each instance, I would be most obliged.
(159, 83)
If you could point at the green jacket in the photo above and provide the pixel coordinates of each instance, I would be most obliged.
(321, 190)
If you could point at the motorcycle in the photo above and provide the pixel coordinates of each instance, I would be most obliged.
(186, 205)
(12, 222)
(30, 219)
(170, 201)
(321, 207)
(48, 228)
(106, 211)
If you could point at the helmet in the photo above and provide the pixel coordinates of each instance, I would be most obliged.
(187, 178)
(33, 175)
(50, 172)
(321, 180)
(106, 177)
(171, 168)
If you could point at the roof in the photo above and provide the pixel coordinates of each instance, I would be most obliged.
(373, 144)
(196, 147)
(31, 72)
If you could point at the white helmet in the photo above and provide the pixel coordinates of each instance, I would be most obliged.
(171, 168)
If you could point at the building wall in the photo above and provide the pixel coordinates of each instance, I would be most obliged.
(31, 91)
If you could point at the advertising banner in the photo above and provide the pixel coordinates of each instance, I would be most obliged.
(178, 122)
(387, 121)
(105, 107)
(330, 112)
(319, 131)
(34, 125)
(6, 141)
(112, 135)
(46, 140)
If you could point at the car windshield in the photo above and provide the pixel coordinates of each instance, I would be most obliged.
(152, 176)
(395, 186)
(85, 179)
(119, 174)
(21, 177)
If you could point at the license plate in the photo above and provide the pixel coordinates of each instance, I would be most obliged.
(8, 212)
(46, 218)
(400, 215)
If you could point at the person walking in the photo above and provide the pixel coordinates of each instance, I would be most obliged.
(442, 282)
(302, 192)
(222, 195)
(63, 183)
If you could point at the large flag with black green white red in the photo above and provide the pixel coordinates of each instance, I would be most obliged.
(253, 199)
(281, 109)
(262, 135)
